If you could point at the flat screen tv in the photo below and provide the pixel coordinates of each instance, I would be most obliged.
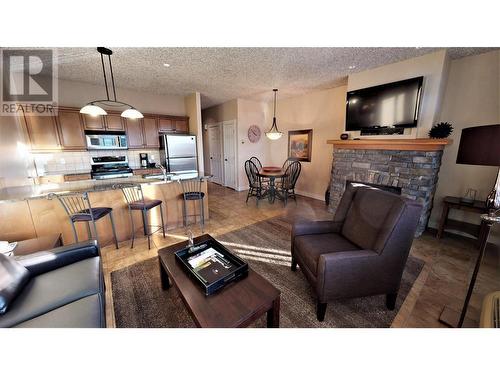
(393, 104)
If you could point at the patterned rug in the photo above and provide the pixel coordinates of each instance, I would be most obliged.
(139, 300)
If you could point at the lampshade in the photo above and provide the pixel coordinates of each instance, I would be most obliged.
(274, 135)
(480, 145)
(132, 113)
(93, 110)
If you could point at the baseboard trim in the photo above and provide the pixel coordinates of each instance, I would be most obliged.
(310, 195)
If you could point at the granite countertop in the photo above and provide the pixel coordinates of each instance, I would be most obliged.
(18, 193)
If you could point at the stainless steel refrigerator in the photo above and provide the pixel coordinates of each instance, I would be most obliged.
(178, 153)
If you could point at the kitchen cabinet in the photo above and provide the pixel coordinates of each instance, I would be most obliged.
(181, 126)
(151, 134)
(115, 123)
(166, 125)
(42, 132)
(134, 133)
(94, 122)
(173, 125)
(71, 130)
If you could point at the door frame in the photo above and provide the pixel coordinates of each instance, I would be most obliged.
(221, 150)
(235, 140)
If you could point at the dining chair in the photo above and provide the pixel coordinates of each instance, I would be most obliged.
(289, 180)
(136, 202)
(191, 191)
(256, 161)
(258, 164)
(287, 163)
(78, 208)
(254, 181)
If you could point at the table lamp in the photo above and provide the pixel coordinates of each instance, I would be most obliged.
(480, 145)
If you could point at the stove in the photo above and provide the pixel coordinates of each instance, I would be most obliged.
(104, 167)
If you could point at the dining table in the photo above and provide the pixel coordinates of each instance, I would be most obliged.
(272, 173)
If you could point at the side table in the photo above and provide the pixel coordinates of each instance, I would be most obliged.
(457, 204)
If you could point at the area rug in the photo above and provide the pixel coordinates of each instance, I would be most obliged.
(139, 300)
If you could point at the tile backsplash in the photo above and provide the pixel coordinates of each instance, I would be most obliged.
(79, 161)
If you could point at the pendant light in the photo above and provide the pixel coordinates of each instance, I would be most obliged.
(94, 108)
(273, 133)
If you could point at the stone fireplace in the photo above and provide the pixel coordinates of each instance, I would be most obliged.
(411, 165)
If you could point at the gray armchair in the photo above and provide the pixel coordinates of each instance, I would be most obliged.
(362, 252)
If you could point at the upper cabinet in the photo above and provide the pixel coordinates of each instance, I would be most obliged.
(115, 123)
(94, 122)
(166, 125)
(112, 122)
(173, 124)
(66, 130)
(182, 126)
(42, 132)
(71, 130)
(135, 133)
(151, 134)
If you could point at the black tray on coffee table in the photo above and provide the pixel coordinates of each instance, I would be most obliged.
(211, 265)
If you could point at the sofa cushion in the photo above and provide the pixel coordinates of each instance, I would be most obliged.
(308, 248)
(54, 289)
(368, 215)
(13, 278)
(87, 312)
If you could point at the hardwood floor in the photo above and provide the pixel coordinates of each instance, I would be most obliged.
(443, 280)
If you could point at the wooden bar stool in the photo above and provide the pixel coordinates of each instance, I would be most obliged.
(78, 209)
(136, 202)
(191, 191)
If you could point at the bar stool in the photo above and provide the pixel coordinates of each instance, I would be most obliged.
(191, 191)
(136, 202)
(78, 209)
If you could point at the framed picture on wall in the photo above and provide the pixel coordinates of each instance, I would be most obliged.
(300, 144)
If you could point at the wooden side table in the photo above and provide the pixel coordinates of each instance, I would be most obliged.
(38, 244)
(457, 204)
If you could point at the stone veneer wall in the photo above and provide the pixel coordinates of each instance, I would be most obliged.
(415, 172)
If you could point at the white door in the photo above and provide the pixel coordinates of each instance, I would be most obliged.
(215, 153)
(229, 141)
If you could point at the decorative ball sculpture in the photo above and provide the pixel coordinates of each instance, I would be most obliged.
(441, 130)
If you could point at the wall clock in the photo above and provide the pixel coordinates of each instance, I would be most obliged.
(254, 133)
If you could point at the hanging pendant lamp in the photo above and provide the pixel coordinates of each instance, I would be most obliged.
(273, 133)
(94, 108)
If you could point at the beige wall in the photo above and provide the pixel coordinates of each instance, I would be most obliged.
(193, 110)
(324, 112)
(77, 94)
(432, 66)
(250, 113)
(471, 98)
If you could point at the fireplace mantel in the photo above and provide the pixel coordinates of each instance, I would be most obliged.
(419, 144)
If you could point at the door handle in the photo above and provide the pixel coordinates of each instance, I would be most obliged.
(225, 159)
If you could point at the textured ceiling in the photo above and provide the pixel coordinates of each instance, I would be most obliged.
(222, 74)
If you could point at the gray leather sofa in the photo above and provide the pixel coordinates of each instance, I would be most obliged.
(65, 289)
(362, 252)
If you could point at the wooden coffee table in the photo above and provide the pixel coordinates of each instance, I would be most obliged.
(236, 305)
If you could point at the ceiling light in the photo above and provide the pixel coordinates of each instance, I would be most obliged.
(166, 65)
(132, 113)
(352, 66)
(273, 133)
(93, 110)
(94, 107)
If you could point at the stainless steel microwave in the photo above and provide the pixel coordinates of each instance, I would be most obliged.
(106, 141)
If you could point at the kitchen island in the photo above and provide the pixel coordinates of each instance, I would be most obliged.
(28, 212)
